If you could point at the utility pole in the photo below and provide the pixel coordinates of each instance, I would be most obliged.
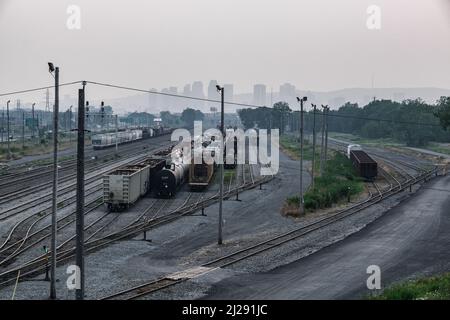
(301, 205)
(322, 140)
(70, 125)
(117, 134)
(79, 293)
(7, 127)
(3, 123)
(55, 182)
(314, 144)
(23, 130)
(33, 128)
(327, 109)
(222, 130)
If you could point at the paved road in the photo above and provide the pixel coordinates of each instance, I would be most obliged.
(409, 240)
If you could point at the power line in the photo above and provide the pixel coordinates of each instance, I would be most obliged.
(38, 89)
(173, 95)
(253, 105)
(217, 101)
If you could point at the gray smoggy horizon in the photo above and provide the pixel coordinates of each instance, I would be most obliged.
(317, 46)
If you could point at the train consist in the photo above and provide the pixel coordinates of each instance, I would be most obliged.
(161, 174)
(363, 163)
(107, 140)
(172, 176)
(201, 174)
(124, 186)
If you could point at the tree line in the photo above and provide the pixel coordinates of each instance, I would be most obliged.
(412, 122)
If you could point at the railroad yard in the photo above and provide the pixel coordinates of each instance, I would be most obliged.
(224, 160)
(164, 247)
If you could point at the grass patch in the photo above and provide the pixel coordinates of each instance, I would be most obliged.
(439, 147)
(430, 288)
(339, 181)
(382, 142)
(228, 175)
(291, 146)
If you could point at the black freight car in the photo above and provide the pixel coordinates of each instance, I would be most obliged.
(364, 164)
(156, 165)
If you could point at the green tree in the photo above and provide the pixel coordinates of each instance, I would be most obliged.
(189, 115)
(443, 112)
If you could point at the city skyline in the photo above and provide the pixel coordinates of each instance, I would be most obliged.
(340, 52)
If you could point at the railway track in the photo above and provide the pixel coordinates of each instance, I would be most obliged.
(33, 202)
(22, 180)
(375, 196)
(37, 265)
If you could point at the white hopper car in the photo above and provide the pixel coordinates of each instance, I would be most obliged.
(124, 186)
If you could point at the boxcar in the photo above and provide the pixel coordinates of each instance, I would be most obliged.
(364, 164)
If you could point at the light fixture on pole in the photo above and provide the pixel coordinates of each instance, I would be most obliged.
(301, 200)
(314, 145)
(52, 69)
(7, 127)
(222, 130)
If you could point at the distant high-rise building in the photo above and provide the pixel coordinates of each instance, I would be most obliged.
(174, 101)
(187, 90)
(229, 92)
(197, 92)
(152, 100)
(287, 93)
(164, 101)
(197, 89)
(212, 90)
(259, 94)
(213, 94)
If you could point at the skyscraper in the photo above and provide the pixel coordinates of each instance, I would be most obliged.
(197, 92)
(229, 92)
(187, 90)
(213, 95)
(287, 93)
(259, 94)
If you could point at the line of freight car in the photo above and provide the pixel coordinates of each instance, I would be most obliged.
(201, 174)
(362, 162)
(108, 140)
(172, 177)
(124, 186)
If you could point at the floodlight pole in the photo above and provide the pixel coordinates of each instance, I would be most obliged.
(301, 200)
(314, 145)
(7, 128)
(79, 292)
(222, 130)
(55, 187)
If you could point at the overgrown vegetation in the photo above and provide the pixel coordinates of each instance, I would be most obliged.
(431, 288)
(291, 146)
(339, 181)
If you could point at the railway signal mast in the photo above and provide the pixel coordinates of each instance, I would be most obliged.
(222, 130)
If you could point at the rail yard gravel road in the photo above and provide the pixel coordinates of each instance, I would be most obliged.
(410, 240)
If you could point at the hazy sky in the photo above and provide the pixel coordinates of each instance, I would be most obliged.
(314, 44)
